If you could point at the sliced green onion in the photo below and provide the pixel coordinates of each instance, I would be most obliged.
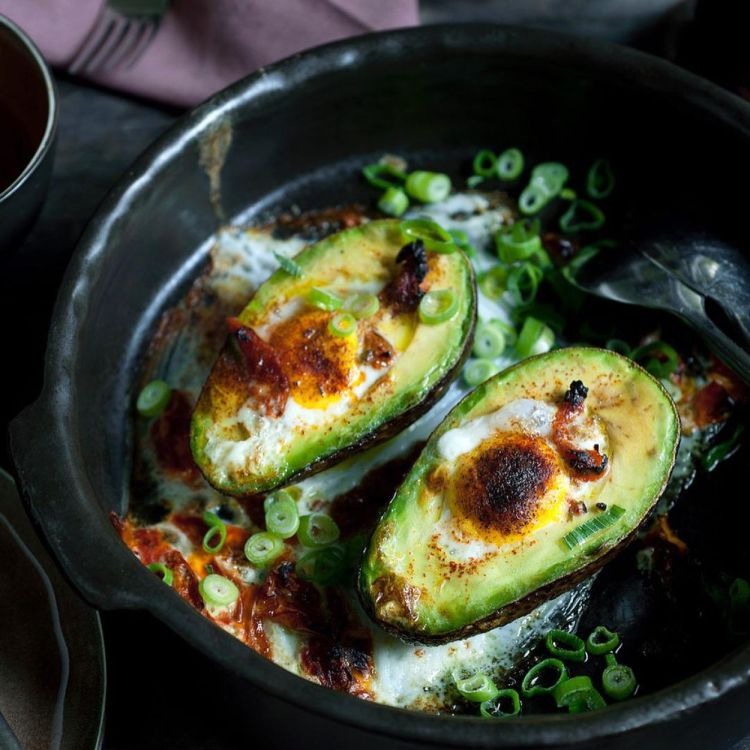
(546, 313)
(288, 265)
(532, 200)
(582, 216)
(434, 237)
(618, 680)
(498, 708)
(216, 528)
(582, 257)
(593, 526)
(162, 571)
(428, 187)
(722, 451)
(479, 370)
(568, 194)
(550, 176)
(153, 398)
(393, 202)
(383, 175)
(342, 324)
(489, 341)
(524, 281)
(619, 346)
(263, 548)
(295, 491)
(288, 493)
(600, 181)
(586, 700)
(362, 306)
(317, 530)
(535, 338)
(326, 566)
(519, 242)
(508, 330)
(218, 590)
(438, 306)
(532, 683)
(658, 357)
(565, 645)
(478, 688)
(509, 164)
(474, 181)
(602, 641)
(461, 239)
(282, 517)
(324, 300)
(485, 163)
(493, 282)
(569, 690)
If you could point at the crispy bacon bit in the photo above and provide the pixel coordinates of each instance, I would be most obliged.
(376, 351)
(404, 291)
(268, 385)
(585, 464)
(170, 434)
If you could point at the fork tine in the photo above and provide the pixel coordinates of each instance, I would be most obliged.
(149, 27)
(117, 31)
(128, 42)
(92, 42)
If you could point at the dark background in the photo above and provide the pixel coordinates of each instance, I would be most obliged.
(156, 681)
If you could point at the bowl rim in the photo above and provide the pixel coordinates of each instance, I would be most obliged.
(51, 411)
(52, 109)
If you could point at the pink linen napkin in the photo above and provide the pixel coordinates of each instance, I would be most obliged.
(201, 46)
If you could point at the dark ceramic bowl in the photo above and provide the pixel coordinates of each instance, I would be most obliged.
(297, 133)
(28, 122)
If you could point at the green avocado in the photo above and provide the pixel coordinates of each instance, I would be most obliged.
(291, 393)
(531, 483)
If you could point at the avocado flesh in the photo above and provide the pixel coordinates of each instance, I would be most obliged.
(427, 357)
(418, 583)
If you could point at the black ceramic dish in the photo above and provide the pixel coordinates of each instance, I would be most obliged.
(28, 122)
(299, 131)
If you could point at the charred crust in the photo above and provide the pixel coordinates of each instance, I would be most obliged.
(403, 292)
(376, 350)
(585, 462)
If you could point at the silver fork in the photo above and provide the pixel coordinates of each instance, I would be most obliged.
(122, 32)
(679, 276)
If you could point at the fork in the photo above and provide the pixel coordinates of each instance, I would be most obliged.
(122, 32)
(680, 274)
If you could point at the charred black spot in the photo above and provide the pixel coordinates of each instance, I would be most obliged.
(414, 257)
(503, 486)
(404, 292)
(586, 461)
(576, 394)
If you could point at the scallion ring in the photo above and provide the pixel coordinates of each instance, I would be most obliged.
(618, 681)
(461, 239)
(342, 324)
(216, 528)
(434, 237)
(288, 493)
(519, 242)
(535, 337)
(493, 282)
(593, 526)
(485, 163)
(394, 202)
(586, 700)
(565, 645)
(524, 281)
(582, 215)
(478, 688)
(619, 346)
(723, 450)
(282, 517)
(263, 548)
(550, 176)
(506, 704)
(601, 641)
(438, 306)
(288, 265)
(474, 181)
(324, 300)
(153, 398)
(362, 305)
(532, 200)
(534, 682)
(384, 176)
(162, 571)
(477, 371)
(489, 341)
(510, 164)
(317, 530)
(600, 181)
(326, 566)
(218, 590)
(428, 187)
(569, 690)
(658, 357)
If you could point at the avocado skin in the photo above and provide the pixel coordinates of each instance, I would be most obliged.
(201, 417)
(527, 603)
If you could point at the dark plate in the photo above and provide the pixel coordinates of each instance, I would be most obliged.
(299, 131)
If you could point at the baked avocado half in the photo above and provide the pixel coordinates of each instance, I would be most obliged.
(531, 483)
(332, 354)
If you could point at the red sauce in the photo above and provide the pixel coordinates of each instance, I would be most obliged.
(170, 434)
(712, 403)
